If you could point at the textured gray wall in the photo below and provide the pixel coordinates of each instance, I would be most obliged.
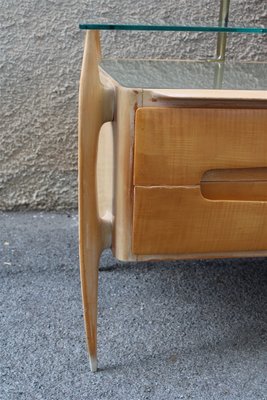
(41, 51)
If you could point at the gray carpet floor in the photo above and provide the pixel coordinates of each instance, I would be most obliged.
(168, 330)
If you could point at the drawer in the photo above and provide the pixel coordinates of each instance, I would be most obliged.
(176, 146)
(179, 220)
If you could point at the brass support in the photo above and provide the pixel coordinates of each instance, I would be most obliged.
(222, 36)
(218, 75)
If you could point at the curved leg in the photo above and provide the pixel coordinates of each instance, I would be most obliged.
(95, 108)
(89, 282)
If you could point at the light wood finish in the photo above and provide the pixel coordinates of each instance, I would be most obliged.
(128, 101)
(176, 146)
(205, 97)
(179, 220)
(184, 102)
(107, 205)
(95, 107)
(105, 171)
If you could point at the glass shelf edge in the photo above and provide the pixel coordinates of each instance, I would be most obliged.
(177, 28)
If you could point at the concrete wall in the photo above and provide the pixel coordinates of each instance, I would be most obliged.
(41, 51)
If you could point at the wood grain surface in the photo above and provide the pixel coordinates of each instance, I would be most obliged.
(176, 146)
(173, 220)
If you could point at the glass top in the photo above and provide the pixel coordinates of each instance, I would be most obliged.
(172, 74)
(188, 26)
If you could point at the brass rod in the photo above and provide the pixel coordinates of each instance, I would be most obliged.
(218, 75)
(222, 36)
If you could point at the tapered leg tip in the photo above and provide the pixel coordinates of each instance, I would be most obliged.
(93, 364)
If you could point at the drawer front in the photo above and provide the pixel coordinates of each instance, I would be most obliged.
(176, 146)
(179, 220)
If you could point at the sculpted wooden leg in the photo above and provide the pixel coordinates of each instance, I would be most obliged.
(95, 108)
(89, 282)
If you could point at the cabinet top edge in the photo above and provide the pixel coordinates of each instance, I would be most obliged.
(205, 94)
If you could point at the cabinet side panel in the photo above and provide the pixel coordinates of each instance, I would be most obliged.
(128, 101)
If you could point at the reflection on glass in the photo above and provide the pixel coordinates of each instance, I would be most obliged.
(169, 74)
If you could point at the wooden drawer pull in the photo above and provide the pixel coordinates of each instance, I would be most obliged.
(247, 184)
